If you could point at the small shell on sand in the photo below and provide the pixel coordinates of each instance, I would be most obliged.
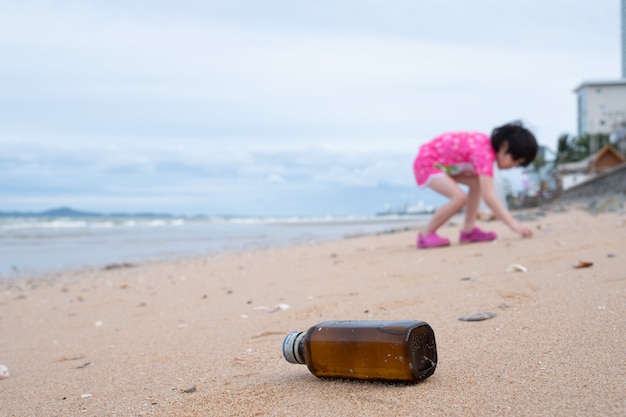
(279, 307)
(516, 268)
(583, 264)
(478, 316)
(4, 372)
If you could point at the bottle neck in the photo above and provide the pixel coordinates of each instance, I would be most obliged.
(293, 347)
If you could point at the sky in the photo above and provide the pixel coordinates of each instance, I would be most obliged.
(276, 107)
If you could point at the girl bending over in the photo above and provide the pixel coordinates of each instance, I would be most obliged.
(467, 158)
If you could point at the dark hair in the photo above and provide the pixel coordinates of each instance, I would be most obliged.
(521, 142)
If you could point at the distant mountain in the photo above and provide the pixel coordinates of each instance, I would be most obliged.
(67, 212)
(70, 212)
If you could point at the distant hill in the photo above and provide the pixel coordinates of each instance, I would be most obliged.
(66, 212)
(70, 212)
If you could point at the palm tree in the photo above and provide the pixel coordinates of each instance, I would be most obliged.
(545, 173)
(564, 149)
(573, 149)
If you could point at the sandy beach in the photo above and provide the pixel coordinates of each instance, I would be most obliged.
(202, 336)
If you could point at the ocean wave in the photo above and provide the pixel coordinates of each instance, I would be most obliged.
(20, 224)
(17, 224)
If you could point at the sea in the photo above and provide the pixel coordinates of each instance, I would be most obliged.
(38, 245)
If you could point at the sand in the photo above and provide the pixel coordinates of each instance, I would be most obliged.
(202, 336)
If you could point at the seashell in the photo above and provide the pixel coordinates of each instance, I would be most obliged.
(478, 316)
(279, 307)
(4, 372)
(583, 264)
(516, 268)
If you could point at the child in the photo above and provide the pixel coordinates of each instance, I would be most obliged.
(467, 158)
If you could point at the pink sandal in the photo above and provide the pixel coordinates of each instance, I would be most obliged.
(431, 240)
(477, 235)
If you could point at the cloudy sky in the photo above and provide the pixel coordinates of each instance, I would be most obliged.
(276, 106)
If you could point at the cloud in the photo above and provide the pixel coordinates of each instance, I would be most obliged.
(114, 69)
(171, 100)
(298, 164)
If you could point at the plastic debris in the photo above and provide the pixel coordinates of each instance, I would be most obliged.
(478, 316)
(583, 264)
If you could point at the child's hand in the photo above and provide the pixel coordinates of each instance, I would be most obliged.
(522, 229)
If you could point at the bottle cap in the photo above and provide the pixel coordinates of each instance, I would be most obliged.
(291, 346)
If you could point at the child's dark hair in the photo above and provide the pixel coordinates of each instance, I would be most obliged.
(521, 142)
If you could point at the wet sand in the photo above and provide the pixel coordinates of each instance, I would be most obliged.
(202, 336)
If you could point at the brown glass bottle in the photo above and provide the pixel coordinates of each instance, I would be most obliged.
(377, 350)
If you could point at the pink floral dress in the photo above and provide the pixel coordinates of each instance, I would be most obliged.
(454, 153)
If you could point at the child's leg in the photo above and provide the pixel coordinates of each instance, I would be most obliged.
(448, 187)
(473, 201)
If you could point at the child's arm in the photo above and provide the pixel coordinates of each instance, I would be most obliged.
(489, 196)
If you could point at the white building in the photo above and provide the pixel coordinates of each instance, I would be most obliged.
(601, 106)
(601, 110)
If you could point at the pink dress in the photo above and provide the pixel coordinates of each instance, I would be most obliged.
(454, 153)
